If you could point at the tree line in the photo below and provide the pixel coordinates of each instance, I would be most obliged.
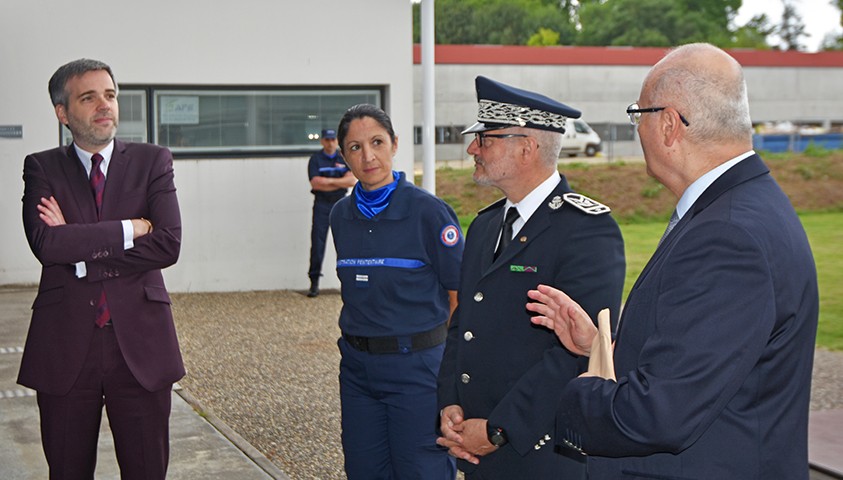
(640, 23)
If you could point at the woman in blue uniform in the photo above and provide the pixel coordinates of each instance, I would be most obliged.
(398, 259)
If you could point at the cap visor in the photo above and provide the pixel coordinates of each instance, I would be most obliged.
(484, 127)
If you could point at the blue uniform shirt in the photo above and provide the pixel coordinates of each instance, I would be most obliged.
(321, 165)
(396, 267)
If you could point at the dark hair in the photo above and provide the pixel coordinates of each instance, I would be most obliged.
(360, 111)
(58, 82)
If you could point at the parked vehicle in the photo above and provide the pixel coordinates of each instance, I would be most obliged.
(579, 138)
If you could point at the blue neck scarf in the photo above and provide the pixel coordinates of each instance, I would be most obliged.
(371, 203)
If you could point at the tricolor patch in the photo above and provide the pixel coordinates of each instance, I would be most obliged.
(450, 235)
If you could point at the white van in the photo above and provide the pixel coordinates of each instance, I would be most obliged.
(579, 138)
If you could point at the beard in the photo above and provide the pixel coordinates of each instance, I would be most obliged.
(89, 133)
(482, 174)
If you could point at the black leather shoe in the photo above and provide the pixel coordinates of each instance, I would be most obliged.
(314, 289)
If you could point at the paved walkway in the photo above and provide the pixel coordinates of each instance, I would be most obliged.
(825, 442)
(202, 447)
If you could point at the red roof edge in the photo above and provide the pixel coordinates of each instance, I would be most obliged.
(645, 56)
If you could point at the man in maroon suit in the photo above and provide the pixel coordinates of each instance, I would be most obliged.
(102, 218)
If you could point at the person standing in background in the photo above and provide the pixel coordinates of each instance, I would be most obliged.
(103, 219)
(330, 180)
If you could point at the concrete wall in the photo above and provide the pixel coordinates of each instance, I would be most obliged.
(602, 93)
(246, 222)
(795, 94)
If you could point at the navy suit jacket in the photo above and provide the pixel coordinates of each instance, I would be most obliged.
(715, 348)
(139, 184)
(515, 371)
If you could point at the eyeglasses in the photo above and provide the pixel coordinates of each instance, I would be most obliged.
(635, 114)
(479, 136)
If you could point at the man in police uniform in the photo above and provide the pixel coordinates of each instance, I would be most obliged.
(501, 376)
(330, 180)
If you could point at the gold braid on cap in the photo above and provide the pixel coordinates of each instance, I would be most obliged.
(509, 114)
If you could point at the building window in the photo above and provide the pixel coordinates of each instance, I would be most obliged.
(443, 134)
(233, 122)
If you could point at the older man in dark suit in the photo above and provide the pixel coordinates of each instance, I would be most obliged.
(103, 219)
(716, 343)
(501, 377)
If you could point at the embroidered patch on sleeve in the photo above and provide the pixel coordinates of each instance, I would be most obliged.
(450, 235)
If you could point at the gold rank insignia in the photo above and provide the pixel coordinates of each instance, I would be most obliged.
(587, 205)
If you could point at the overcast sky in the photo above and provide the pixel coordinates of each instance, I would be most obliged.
(820, 17)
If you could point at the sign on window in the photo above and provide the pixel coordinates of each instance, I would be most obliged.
(180, 110)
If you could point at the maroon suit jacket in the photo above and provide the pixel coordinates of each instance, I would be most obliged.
(139, 183)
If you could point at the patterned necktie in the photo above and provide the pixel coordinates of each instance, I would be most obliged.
(506, 230)
(97, 181)
(97, 186)
(674, 219)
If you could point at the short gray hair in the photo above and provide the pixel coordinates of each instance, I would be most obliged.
(58, 82)
(714, 102)
(550, 144)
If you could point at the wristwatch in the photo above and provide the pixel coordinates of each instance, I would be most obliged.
(496, 435)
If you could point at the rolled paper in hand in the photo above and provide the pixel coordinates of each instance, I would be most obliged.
(602, 361)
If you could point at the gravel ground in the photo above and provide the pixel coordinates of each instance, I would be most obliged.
(266, 364)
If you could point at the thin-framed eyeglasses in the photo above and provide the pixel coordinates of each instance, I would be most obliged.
(635, 112)
(479, 136)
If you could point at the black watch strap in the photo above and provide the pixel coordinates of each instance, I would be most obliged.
(497, 436)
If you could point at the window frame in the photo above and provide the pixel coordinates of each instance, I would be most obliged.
(152, 115)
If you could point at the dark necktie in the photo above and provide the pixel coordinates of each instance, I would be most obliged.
(674, 219)
(97, 186)
(506, 230)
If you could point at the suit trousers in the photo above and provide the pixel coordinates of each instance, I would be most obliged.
(139, 419)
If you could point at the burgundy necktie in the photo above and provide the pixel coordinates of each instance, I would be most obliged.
(97, 187)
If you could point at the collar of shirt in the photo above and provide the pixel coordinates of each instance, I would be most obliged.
(85, 157)
(529, 204)
(693, 192)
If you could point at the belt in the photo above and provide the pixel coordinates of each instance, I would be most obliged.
(399, 344)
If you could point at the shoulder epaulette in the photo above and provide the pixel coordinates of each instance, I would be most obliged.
(587, 205)
(493, 206)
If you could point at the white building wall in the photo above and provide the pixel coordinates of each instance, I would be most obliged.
(246, 222)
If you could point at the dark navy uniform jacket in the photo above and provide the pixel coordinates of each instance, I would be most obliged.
(497, 364)
(715, 349)
(396, 267)
(321, 165)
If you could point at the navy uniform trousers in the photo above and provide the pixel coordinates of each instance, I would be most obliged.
(393, 393)
(319, 236)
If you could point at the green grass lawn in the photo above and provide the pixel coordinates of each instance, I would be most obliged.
(825, 232)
